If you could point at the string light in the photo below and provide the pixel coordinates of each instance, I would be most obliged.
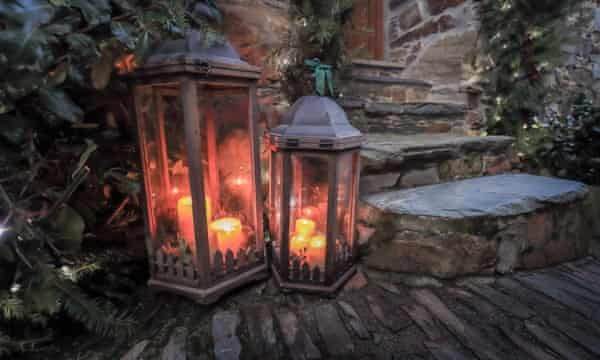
(15, 288)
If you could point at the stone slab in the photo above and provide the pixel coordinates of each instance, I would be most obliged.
(531, 348)
(492, 196)
(558, 345)
(224, 333)
(137, 350)
(390, 81)
(296, 338)
(388, 313)
(333, 331)
(468, 336)
(176, 347)
(262, 332)
(402, 148)
(416, 109)
(354, 321)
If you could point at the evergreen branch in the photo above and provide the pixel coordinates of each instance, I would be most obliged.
(97, 318)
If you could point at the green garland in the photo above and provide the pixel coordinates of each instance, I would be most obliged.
(523, 40)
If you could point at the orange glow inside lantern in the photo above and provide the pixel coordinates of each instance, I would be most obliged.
(229, 194)
(197, 126)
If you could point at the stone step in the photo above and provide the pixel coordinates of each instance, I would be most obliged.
(405, 118)
(362, 67)
(385, 89)
(392, 161)
(477, 226)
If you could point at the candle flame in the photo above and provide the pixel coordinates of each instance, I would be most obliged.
(227, 225)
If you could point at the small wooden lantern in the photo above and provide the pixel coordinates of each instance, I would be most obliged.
(197, 120)
(314, 167)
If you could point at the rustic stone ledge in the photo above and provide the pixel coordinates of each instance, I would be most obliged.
(473, 226)
(363, 67)
(418, 109)
(391, 81)
(393, 161)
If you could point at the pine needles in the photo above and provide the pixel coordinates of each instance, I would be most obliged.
(522, 38)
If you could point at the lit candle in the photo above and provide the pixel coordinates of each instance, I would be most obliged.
(299, 243)
(316, 251)
(305, 227)
(185, 221)
(229, 234)
(185, 218)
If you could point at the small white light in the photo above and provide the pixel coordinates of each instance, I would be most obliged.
(3, 230)
(15, 288)
(66, 271)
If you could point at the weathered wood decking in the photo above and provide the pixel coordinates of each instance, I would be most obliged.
(547, 314)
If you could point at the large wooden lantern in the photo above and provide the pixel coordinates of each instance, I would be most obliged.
(197, 121)
(313, 195)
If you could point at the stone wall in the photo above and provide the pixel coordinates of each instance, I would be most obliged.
(436, 39)
(255, 28)
(432, 37)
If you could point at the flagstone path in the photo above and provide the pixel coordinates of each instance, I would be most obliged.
(546, 314)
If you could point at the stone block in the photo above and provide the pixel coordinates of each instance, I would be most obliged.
(437, 128)
(409, 17)
(438, 6)
(420, 177)
(443, 256)
(442, 60)
(370, 184)
(357, 282)
(495, 165)
(539, 230)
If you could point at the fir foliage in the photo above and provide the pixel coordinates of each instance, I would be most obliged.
(522, 39)
(567, 146)
(55, 55)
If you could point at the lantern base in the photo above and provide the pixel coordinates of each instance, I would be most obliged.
(312, 288)
(213, 294)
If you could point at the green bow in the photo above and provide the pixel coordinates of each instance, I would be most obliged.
(323, 76)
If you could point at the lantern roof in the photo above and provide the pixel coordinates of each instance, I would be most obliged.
(317, 123)
(195, 54)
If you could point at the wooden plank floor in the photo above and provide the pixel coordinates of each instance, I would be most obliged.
(543, 315)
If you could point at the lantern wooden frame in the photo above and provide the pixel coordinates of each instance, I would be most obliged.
(315, 128)
(181, 68)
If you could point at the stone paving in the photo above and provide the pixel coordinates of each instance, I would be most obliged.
(547, 314)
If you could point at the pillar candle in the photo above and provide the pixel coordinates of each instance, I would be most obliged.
(305, 227)
(299, 243)
(229, 234)
(185, 221)
(316, 251)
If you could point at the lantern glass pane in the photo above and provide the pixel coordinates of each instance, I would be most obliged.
(308, 210)
(167, 170)
(229, 183)
(346, 167)
(275, 203)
